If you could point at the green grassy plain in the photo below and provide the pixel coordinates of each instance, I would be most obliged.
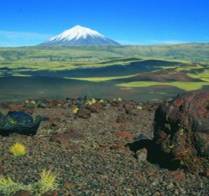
(204, 75)
(191, 59)
(60, 58)
(101, 79)
(186, 86)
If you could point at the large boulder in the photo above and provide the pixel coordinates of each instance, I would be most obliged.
(181, 127)
(19, 122)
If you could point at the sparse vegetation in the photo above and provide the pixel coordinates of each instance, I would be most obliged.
(91, 101)
(9, 187)
(75, 109)
(18, 150)
(84, 152)
(46, 183)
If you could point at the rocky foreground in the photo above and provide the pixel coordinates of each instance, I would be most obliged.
(112, 147)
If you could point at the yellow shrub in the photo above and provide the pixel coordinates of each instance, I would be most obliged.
(91, 101)
(9, 187)
(18, 150)
(75, 110)
(46, 183)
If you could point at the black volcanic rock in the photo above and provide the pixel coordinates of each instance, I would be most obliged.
(19, 122)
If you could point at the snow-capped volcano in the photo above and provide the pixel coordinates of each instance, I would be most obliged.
(77, 32)
(80, 36)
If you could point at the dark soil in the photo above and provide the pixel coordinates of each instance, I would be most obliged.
(89, 150)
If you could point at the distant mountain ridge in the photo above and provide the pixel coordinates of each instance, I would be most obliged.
(80, 36)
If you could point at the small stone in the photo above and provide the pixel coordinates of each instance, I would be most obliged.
(50, 193)
(60, 138)
(121, 118)
(178, 175)
(130, 108)
(206, 173)
(155, 183)
(64, 138)
(157, 193)
(1, 169)
(23, 193)
(124, 134)
(84, 113)
(95, 107)
(170, 186)
(176, 192)
(69, 185)
(42, 104)
(139, 107)
(142, 154)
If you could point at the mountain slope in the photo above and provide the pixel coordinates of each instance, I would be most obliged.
(80, 36)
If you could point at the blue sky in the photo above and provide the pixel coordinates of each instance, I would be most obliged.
(29, 22)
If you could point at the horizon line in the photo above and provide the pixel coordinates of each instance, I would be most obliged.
(121, 45)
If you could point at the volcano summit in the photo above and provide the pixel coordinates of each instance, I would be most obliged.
(80, 36)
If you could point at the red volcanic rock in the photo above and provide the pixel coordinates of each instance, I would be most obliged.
(130, 108)
(65, 138)
(124, 134)
(206, 173)
(1, 169)
(95, 108)
(54, 193)
(182, 126)
(178, 175)
(84, 113)
(23, 193)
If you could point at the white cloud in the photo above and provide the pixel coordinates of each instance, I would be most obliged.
(168, 42)
(152, 42)
(12, 38)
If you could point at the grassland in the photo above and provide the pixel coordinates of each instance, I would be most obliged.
(204, 75)
(186, 86)
(105, 67)
(60, 58)
(101, 79)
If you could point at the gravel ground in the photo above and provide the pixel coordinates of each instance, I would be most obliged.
(88, 152)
